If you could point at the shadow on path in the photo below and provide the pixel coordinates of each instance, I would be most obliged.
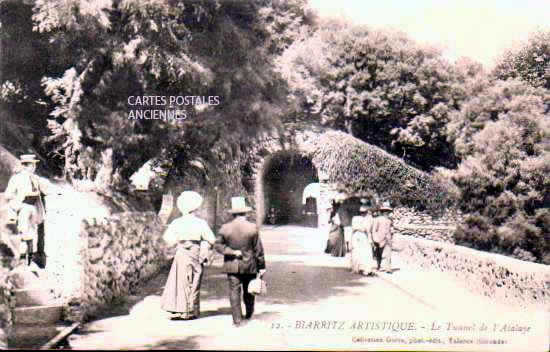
(292, 280)
(288, 283)
(187, 343)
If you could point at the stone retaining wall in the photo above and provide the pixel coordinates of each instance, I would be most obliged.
(7, 300)
(8, 262)
(430, 232)
(410, 222)
(403, 215)
(427, 242)
(115, 255)
(492, 275)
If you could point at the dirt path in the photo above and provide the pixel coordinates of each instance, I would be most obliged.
(314, 302)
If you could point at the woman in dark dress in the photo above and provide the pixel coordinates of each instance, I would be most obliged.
(336, 244)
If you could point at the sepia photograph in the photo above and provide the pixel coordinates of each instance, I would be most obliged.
(294, 175)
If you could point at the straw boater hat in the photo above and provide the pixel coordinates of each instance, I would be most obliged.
(189, 201)
(28, 158)
(385, 207)
(238, 205)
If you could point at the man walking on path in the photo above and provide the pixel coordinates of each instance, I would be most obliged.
(243, 252)
(381, 240)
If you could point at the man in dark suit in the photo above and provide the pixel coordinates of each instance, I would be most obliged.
(239, 242)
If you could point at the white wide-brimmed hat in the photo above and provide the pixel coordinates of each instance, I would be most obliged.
(28, 158)
(238, 205)
(189, 201)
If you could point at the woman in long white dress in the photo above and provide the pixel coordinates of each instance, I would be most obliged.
(194, 241)
(361, 253)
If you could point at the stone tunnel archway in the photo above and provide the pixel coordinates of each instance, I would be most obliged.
(282, 157)
(285, 175)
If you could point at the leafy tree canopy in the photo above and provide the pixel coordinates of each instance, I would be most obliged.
(109, 50)
(503, 182)
(378, 85)
(530, 61)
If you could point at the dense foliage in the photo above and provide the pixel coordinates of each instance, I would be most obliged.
(357, 167)
(107, 51)
(24, 60)
(378, 85)
(529, 61)
(503, 136)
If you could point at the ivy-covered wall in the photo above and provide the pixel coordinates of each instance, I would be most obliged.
(355, 167)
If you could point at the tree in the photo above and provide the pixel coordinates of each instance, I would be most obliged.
(285, 21)
(530, 61)
(162, 48)
(378, 85)
(24, 60)
(503, 136)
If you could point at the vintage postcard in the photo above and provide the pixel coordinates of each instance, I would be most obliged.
(275, 175)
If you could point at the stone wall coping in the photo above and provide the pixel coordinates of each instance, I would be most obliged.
(134, 212)
(424, 226)
(119, 215)
(514, 265)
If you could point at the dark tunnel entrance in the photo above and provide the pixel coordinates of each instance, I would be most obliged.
(286, 176)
